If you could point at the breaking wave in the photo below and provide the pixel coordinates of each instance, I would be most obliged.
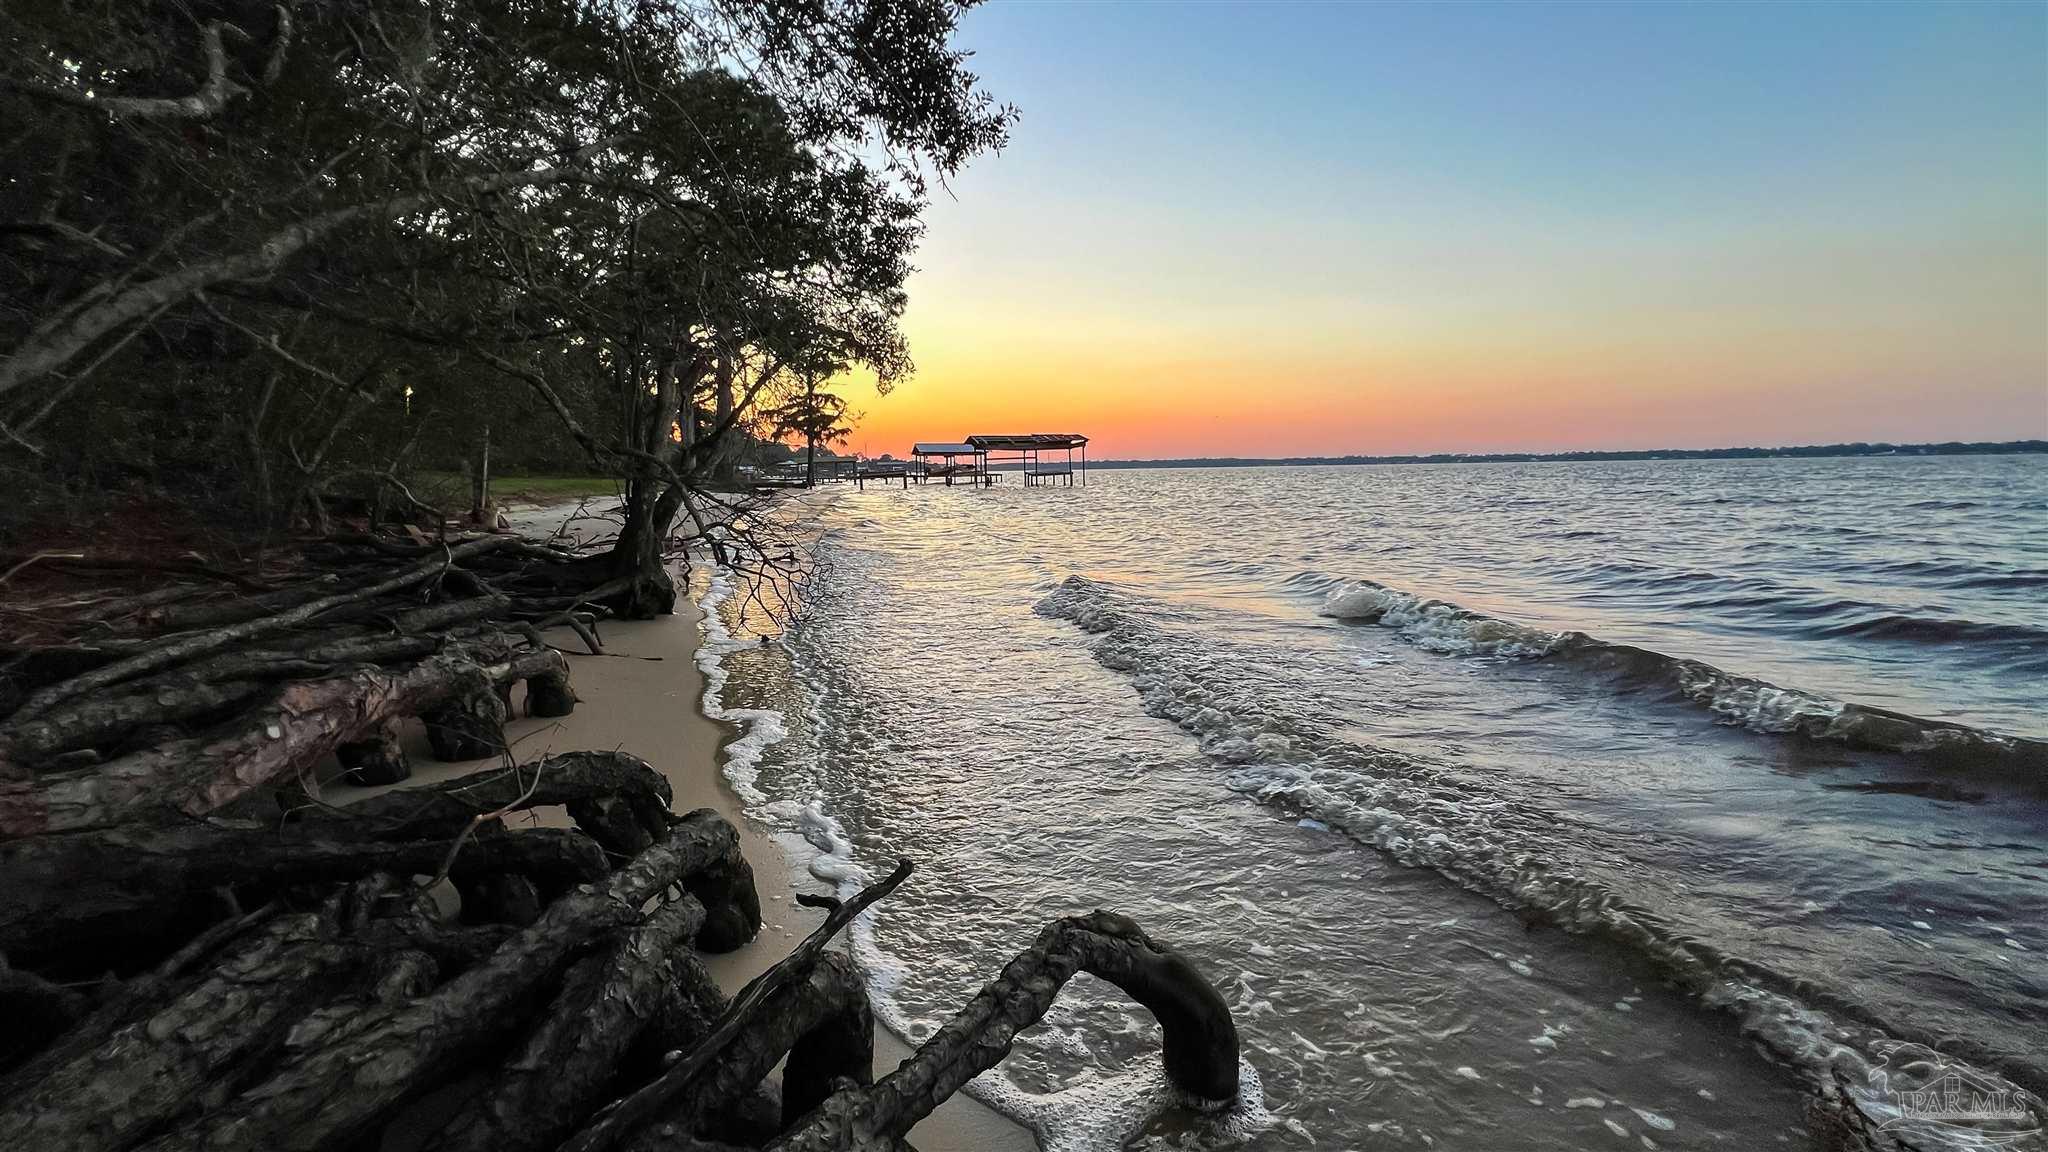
(1499, 845)
(1760, 706)
(1104, 1113)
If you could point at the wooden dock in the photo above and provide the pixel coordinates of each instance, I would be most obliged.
(1042, 458)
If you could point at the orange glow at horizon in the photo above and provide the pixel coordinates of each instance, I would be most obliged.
(1295, 230)
(1142, 400)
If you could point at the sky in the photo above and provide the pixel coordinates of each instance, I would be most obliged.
(1320, 229)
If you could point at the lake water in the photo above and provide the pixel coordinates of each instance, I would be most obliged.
(1545, 806)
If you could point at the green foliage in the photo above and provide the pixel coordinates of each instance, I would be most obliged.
(813, 417)
(331, 240)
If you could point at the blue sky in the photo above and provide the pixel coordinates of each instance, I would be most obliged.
(1472, 226)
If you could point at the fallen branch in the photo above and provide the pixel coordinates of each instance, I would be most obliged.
(184, 648)
(151, 1069)
(329, 1098)
(627, 1117)
(1201, 1047)
(141, 995)
(443, 810)
(821, 1022)
(302, 722)
(60, 892)
(563, 1067)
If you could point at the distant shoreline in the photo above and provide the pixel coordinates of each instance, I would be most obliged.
(1802, 452)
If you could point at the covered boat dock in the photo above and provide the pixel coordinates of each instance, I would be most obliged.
(948, 461)
(1044, 457)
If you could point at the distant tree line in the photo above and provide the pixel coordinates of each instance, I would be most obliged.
(1859, 448)
(259, 257)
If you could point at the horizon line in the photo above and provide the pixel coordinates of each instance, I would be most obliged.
(1842, 449)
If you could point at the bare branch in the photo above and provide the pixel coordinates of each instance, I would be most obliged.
(206, 103)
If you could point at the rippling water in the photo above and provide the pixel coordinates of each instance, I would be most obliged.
(1531, 806)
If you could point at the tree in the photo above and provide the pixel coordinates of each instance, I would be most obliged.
(816, 417)
(270, 253)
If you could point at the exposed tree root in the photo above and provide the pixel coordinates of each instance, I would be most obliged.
(159, 768)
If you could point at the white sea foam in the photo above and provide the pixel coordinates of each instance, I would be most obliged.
(831, 856)
(1103, 1111)
(1451, 629)
(1755, 704)
(1394, 804)
(760, 727)
(1437, 625)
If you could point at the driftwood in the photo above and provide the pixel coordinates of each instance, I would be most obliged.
(634, 1113)
(161, 759)
(135, 998)
(180, 649)
(104, 718)
(64, 892)
(148, 1071)
(303, 721)
(1201, 1049)
(57, 892)
(822, 1021)
(815, 1010)
(561, 1071)
(310, 1030)
(335, 1093)
(445, 809)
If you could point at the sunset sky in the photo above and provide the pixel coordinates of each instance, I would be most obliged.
(1325, 228)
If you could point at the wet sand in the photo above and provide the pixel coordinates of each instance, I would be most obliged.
(644, 697)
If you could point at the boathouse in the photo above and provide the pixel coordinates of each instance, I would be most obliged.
(948, 462)
(1044, 457)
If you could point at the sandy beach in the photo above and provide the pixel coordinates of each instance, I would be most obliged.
(644, 696)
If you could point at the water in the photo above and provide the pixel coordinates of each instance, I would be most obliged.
(1540, 806)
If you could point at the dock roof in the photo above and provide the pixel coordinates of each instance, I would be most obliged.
(1027, 442)
(943, 449)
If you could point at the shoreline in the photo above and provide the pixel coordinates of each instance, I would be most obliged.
(646, 697)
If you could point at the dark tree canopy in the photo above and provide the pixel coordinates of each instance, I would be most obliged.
(274, 253)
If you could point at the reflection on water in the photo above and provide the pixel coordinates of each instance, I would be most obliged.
(1458, 892)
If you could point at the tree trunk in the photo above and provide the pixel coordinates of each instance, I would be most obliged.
(284, 737)
(637, 560)
(721, 416)
(811, 432)
(151, 1070)
(559, 1074)
(480, 484)
(59, 894)
(333, 1096)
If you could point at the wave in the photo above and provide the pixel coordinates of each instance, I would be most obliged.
(1104, 1113)
(1936, 630)
(1758, 705)
(1492, 843)
(1438, 625)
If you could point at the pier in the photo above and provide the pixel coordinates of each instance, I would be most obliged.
(1041, 457)
(945, 462)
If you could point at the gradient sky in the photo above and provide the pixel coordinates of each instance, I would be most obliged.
(1325, 228)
